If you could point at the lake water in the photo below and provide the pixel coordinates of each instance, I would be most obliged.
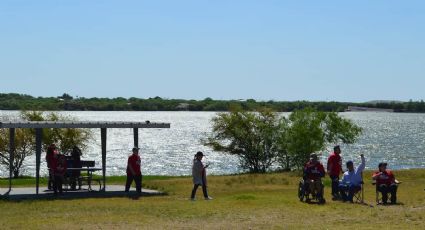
(397, 138)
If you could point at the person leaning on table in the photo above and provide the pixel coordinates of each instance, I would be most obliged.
(351, 180)
(133, 171)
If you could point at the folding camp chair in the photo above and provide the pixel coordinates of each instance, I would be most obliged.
(358, 196)
(378, 193)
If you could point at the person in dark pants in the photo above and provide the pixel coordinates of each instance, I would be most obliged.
(76, 163)
(51, 157)
(386, 183)
(334, 169)
(199, 176)
(134, 172)
(351, 180)
(59, 173)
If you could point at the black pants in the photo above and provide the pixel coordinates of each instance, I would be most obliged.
(335, 183)
(50, 181)
(204, 190)
(57, 184)
(385, 189)
(74, 180)
(137, 179)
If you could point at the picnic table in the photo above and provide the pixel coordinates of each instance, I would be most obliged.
(87, 178)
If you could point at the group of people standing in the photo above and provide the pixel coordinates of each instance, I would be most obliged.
(57, 165)
(352, 179)
(343, 189)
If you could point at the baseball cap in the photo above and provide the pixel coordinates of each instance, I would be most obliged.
(382, 164)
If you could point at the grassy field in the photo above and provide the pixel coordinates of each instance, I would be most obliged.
(240, 202)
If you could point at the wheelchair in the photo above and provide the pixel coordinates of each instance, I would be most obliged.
(304, 193)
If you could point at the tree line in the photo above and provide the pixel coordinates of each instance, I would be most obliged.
(13, 101)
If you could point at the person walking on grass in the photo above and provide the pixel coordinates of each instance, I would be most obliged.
(334, 169)
(199, 176)
(134, 172)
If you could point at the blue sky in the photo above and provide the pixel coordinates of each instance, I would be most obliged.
(267, 50)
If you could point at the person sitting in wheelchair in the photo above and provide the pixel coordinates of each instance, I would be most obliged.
(351, 180)
(385, 183)
(313, 172)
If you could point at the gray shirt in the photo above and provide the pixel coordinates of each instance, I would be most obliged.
(197, 172)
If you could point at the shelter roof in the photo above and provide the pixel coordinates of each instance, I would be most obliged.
(83, 124)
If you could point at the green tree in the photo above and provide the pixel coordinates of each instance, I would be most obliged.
(251, 136)
(24, 147)
(311, 130)
(65, 139)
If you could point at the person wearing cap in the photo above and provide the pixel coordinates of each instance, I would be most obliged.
(352, 180)
(313, 172)
(334, 168)
(199, 176)
(133, 171)
(386, 183)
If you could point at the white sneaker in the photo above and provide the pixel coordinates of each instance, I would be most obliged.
(208, 198)
(192, 199)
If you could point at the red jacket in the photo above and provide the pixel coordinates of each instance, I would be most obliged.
(334, 164)
(386, 177)
(314, 171)
(51, 158)
(134, 162)
(59, 165)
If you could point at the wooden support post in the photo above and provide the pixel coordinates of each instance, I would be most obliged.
(38, 140)
(136, 137)
(11, 156)
(103, 140)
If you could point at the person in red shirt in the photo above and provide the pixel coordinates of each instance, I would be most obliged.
(51, 156)
(386, 183)
(59, 170)
(133, 171)
(334, 168)
(313, 173)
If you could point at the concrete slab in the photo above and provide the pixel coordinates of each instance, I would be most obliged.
(111, 191)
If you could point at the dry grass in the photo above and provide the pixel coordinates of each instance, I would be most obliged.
(240, 202)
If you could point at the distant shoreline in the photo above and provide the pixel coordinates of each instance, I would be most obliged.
(13, 101)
